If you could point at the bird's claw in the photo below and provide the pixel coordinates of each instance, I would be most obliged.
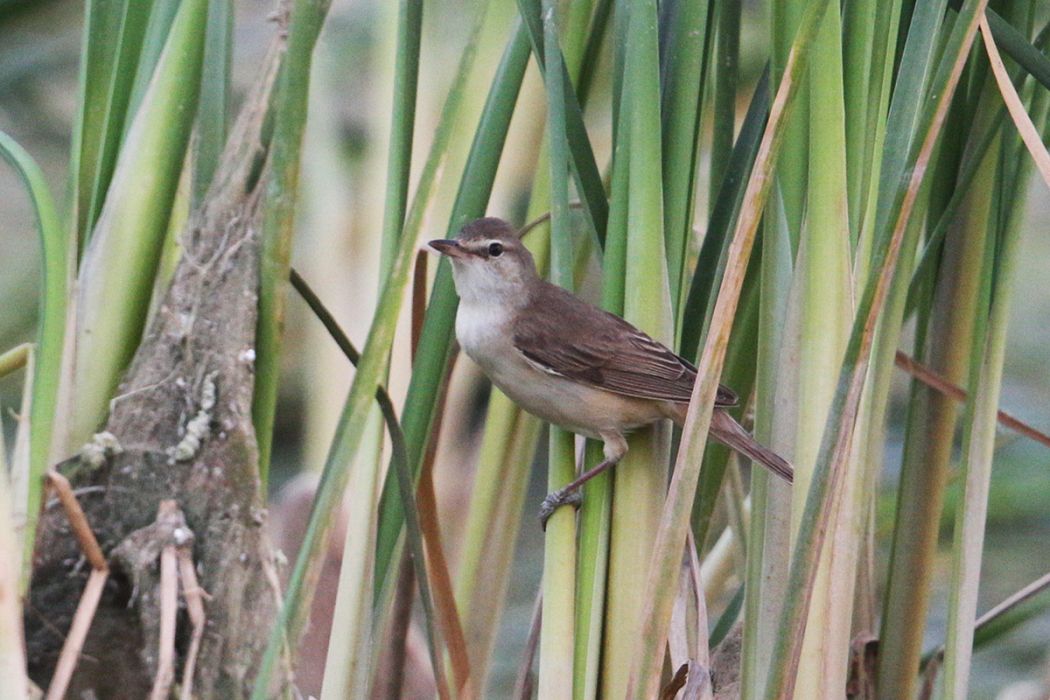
(555, 500)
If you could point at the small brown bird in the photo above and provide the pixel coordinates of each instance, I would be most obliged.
(568, 362)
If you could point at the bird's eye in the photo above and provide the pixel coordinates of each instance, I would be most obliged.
(495, 249)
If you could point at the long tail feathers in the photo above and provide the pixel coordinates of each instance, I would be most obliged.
(727, 431)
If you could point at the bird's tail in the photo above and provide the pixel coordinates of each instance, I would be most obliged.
(727, 431)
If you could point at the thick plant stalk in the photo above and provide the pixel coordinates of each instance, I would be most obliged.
(870, 437)
(826, 313)
(774, 424)
(639, 480)
(929, 437)
(775, 418)
(978, 446)
(979, 439)
(557, 621)
(868, 81)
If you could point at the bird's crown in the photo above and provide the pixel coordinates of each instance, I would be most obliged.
(487, 228)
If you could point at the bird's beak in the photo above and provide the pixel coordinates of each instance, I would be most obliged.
(450, 248)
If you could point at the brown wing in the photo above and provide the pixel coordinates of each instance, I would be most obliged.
(566, 336)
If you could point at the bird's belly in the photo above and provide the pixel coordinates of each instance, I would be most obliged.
(576, 407)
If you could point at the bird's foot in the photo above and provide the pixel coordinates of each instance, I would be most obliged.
(557, 499)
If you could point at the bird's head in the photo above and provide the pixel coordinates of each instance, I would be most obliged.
(489, 262)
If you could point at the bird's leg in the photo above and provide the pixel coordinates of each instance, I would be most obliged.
(569, 493)
(615, 448)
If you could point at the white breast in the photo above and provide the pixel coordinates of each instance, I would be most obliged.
(480, 331)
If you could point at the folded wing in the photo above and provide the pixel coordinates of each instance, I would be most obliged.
(583, 343)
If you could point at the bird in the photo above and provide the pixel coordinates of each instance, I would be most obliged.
(568, 362)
